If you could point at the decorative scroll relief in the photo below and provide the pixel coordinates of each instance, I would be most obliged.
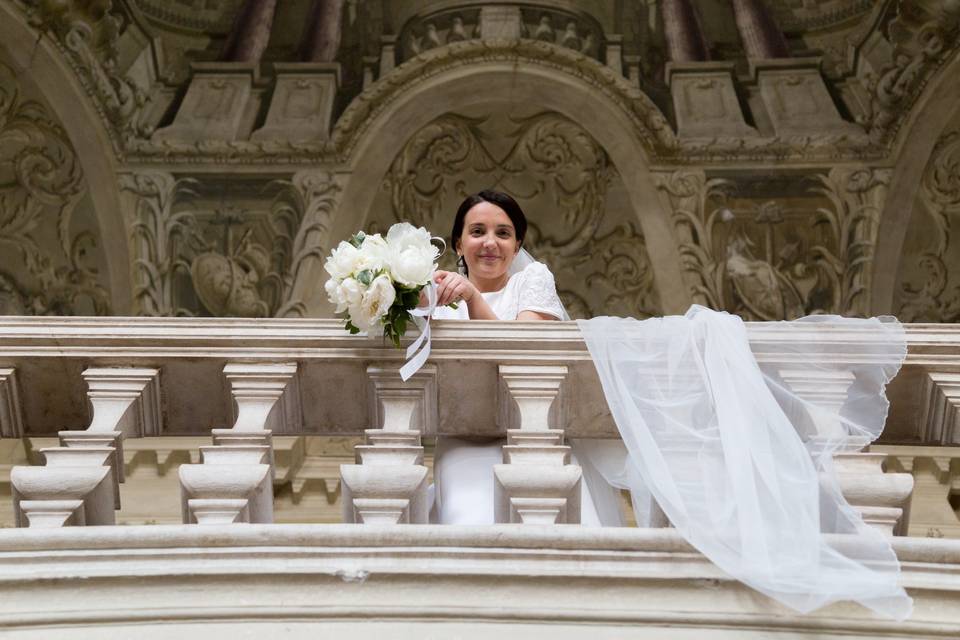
(198, 256)
(562, 178)
(772, 257)
(922, 36)
(929, 290)
(41, 190)
(88, 34)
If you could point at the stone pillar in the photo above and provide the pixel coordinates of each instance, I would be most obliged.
(762, 38)
(250, 34)
(536, 484)
(683, 32)
(388, 485)
(321, 36)
(704, 96)
(614, 54)
(388, 54)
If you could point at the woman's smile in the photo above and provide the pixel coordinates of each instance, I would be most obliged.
(489, 244)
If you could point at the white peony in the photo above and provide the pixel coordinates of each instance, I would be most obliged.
(412, 256)
(343, 261)
(374, 304)
(345, 294)
(374, 254)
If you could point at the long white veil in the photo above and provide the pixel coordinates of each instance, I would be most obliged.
(740, 463)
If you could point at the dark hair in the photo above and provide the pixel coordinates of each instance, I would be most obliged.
(502, 200)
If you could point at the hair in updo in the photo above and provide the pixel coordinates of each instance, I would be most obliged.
(502, 200)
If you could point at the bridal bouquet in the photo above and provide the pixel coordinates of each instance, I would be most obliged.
(377, 281)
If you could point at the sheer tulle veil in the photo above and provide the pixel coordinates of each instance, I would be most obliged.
(740, 461)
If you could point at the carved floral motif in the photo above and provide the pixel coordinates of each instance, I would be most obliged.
(42, 180)
(562, 174)
(233, 261)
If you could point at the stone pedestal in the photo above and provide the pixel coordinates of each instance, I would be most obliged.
(536, 484)
(796, 99)
(302, 104)
(388, 485)
(705, 100)
(215, 103)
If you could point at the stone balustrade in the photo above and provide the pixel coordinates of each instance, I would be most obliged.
(158, 380)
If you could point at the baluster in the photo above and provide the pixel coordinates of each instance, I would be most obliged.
(388, 485)
(234, 480)
(536, 484)
(879, 497)
(80, 484)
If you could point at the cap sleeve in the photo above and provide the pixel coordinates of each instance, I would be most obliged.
(538, 291)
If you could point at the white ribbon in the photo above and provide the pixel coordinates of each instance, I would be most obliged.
(421, 317)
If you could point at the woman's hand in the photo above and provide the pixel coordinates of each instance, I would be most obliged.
(453, 287)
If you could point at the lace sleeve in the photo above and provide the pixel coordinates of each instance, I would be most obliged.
(538, 292)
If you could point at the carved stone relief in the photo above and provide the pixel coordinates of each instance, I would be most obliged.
(199, 253)
(929, 290)
(778, 248)
(563, 28)
(47, 236)
(88, 34)
(580, 222)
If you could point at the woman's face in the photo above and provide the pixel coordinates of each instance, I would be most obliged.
(488, 242)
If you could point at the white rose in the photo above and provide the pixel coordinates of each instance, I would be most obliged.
(374, 304)
(346, 294)
(412, 256)
(343, 261)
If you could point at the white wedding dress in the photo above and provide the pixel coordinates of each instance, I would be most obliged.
(463, 469)
(740, 464)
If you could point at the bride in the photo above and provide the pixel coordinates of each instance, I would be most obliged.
(496, 281)
(739, 462)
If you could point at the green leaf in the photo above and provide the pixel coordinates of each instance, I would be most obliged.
(365, 277)
(357, 239)
(351, 328)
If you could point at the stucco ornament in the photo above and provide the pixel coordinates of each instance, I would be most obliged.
(744, 256)
(42, 181)
(936, 298)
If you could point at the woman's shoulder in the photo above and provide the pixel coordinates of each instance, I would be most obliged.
(535, 271)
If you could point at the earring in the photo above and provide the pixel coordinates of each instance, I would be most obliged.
(461, 264)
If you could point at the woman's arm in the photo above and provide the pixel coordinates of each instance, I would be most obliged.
(534, 315)
(453, 287)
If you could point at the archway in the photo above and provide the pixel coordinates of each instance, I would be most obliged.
(455, 78)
